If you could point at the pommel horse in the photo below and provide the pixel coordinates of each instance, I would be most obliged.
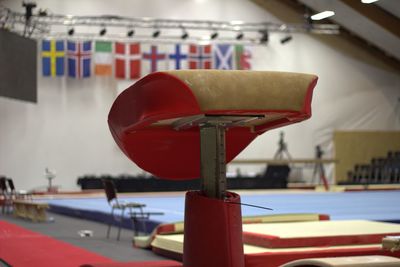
(188, 124)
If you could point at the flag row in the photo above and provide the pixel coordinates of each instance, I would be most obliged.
(80, 59)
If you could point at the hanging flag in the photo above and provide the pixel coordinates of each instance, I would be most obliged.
(223, 56)
(103, 58)
(178, 58)
(200, 57)
(127, 60)
(79, 58)
(242, 57)
(53, 53)
(154, 57)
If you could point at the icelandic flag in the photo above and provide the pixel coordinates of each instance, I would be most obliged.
(79, 58)
(53, 53)
(242, 57)
(155, 57)
(200, 57)
(178, 57)
(223, 56)
(127, 60)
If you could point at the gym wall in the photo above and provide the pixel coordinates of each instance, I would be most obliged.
(67, 130)
(359, 147)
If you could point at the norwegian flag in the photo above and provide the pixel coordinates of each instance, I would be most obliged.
(200, 57)
(127, 60)
(79, 56)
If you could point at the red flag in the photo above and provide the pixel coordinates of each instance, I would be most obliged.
(243, 57)
(127, 60)
(200, 57)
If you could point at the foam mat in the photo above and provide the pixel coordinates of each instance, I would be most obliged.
(319, 233)
(256, 256)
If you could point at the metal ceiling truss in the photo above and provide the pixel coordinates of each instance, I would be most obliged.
(37, 26)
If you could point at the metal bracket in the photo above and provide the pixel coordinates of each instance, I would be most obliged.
(212, 147)
(212, 160)
(223, 120)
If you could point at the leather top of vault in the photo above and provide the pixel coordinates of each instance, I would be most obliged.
(143, 118)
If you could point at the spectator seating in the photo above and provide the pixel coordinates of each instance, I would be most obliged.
(379, 171)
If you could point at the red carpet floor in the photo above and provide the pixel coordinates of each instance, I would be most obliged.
(21, 248)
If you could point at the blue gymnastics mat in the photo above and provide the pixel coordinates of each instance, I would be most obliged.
(365, 205)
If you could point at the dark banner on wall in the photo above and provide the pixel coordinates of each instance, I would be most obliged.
(18, 67)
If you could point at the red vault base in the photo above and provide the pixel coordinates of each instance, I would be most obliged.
(213, 231)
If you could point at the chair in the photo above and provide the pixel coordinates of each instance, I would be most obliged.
(20, 194)
(5, 196)
(111, 194)
(11, 186)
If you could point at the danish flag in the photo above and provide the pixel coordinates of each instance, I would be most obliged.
(200, 57)
(127, 60)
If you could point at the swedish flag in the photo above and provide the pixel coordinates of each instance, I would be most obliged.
(53, 53)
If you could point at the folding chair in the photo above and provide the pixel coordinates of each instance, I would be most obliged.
(20, 194)
(13, 193)
(5, 196)
(111, 194)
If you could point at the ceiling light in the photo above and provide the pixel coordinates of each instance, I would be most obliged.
(322, 15)
(156, 33)
(103, 32)
(130, 33)
(240, 36)
(185, 35)
(214, 36)
(42, 13)
(368, 1)
(71, 31)
(264, 36)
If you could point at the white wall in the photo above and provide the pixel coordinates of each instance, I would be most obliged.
(67, 130)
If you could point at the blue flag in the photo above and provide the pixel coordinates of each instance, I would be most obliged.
(53, 53)
(79, 58)
(223, 56)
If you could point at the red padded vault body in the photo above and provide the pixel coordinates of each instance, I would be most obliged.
(143, 118)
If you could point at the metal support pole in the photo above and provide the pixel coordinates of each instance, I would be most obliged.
(213, 165)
